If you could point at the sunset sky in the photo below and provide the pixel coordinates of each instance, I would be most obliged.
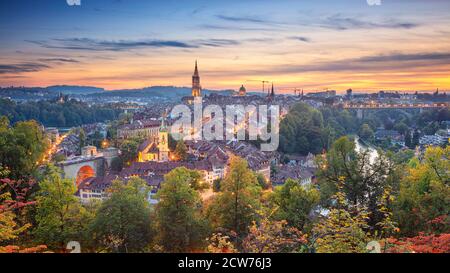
(315, 44)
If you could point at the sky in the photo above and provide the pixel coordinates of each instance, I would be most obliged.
(313, 45)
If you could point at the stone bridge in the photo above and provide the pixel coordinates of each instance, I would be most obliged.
(361, 107)
(80, 168)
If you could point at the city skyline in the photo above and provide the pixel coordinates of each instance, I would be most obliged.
(296, 44)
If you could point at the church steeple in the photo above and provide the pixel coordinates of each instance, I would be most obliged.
(163, 140)
(196, 87)
(196, 69)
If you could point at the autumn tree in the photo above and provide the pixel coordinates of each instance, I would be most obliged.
(122, 223)
(220, 243)
(343, 229)
(273, 237)
(178, 213)
(294, 203)
(420, 244)
(235, 207)
(425, 195)
(10, 229)
(59, 214)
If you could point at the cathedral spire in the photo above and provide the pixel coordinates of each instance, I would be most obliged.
(196, 69)
(196, 87)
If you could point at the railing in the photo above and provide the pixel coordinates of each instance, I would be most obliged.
(394, 106)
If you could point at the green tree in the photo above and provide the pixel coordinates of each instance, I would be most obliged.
(365, 178)
(302, 131)
(22, 147)
(235, 207)
(181, 150)
(262, 181)
(294, 203)
(178, 213)
(59, 215)
(129, 149)
(82, 138)
(366, 132)
(122, 223)
(216, 184)
(401, 127)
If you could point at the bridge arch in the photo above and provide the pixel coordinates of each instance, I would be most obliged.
(83, 173)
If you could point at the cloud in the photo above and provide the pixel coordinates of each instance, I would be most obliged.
(21, 68)
(395, 61)
(87, 44)
(243, 19)
(301, 38)
(217, 42)
(58, 60)
(233, 27)
(105, 45)
(338, 22)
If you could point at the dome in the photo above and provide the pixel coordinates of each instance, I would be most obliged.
(242, 91)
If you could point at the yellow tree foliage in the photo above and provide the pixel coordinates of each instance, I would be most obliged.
(341, 231)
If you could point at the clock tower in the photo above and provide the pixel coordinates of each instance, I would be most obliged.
(163, 141)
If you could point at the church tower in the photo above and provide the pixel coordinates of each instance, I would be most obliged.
(271, 94)
(163, 141)
(196, 87)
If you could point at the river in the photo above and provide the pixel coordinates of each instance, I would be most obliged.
(359, 147)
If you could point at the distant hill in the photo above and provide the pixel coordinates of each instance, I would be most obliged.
(164, 92)
(168, 92)
(74, 89)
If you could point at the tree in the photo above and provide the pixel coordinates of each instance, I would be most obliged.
(294, 203)
(408, 140)
(59, 213)
(302, 131)
(365, 178)
(420, 244)
(82, 138)
(12, 198)
(181, 150)
(366, 133)
(273, 237)
(415, 138)
(262, 181)
(424, 194)
(219, 243)
(22, 147)
(122, 223)
(178, 216)
(235, 207)
(129, 149)
(401, 127)
(216, 185)
(342, 231)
